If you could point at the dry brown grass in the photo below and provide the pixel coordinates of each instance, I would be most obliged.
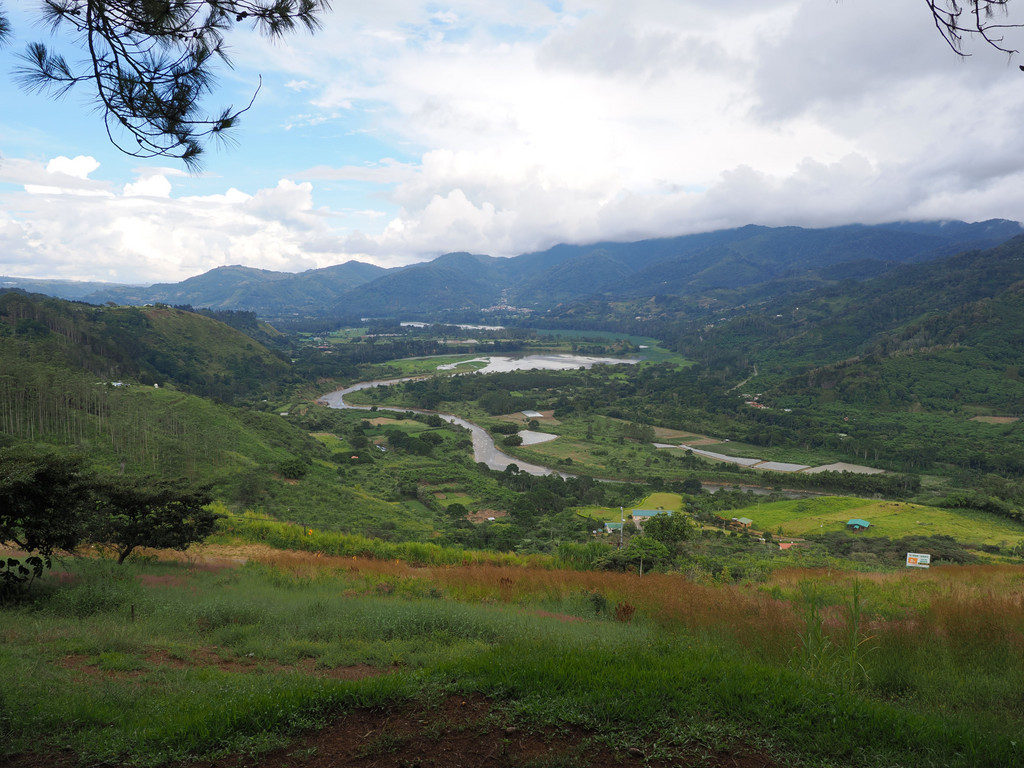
(961, 605)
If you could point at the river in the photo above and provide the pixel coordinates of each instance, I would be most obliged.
(484, 448)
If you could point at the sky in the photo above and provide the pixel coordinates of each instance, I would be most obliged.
(404, 130)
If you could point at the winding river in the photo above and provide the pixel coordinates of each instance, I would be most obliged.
(484, 449)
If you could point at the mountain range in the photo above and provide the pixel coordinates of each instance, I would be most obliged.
(690, 265)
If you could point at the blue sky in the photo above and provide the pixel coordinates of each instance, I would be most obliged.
(404, 130)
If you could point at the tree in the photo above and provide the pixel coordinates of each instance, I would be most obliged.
(293, 468)
(669, 529)
(151, 62)
(145, 513)
(641, 554)
(457, 511)
(44, 497)
(986, 18)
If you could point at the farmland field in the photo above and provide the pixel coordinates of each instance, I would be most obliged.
(893, 519)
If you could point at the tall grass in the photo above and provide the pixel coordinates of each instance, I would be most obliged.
(289, 536)
(157, 662)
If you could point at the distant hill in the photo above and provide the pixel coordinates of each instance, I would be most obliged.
(753, 255)
(72, 290)
(742, 259)
(264, 291)
(147, 345)
(80, 378)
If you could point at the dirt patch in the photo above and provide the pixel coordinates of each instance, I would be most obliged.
(996, 419)
(483, 515)
(665, 432)
(842, 466)
(87, 667)
(466, 732)
(212, 657)
(380, 421)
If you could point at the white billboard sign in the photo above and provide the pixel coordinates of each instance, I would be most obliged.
(918, 560)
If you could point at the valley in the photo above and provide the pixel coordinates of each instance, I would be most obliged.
(665, 524)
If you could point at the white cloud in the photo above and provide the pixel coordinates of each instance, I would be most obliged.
(145, 235)
(155, 185)
(499, 126)
(79, 167)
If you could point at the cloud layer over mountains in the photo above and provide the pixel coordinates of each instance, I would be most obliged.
(407, 129)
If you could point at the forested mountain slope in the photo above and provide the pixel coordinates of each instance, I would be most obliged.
(690, 265)
(942, 335)
(80, 378)
(237, 287)
(147, 345)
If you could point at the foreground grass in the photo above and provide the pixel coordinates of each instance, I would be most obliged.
(159, 663)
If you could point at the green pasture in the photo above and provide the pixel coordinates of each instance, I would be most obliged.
(152, 664)
(422, 366)
(892, 519)
(383, 421)
(668, 501)
(344, 335)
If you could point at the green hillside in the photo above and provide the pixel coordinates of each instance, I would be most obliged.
(146, 345)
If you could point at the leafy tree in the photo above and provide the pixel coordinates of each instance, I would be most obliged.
(669, 529)
(43, 501)
(144, 513)
(497, 401)
(151, 62)
(692, 485)
(641, 554)
(457, 511)
(294, 468)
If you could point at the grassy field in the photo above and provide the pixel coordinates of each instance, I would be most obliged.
(240, 651)
(892, 519)
(416, 366)
(667, 501)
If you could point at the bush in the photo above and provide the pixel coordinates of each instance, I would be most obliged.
(293, 469)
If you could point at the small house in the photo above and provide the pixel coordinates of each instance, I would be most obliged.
(743, 522)
(856, 524)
